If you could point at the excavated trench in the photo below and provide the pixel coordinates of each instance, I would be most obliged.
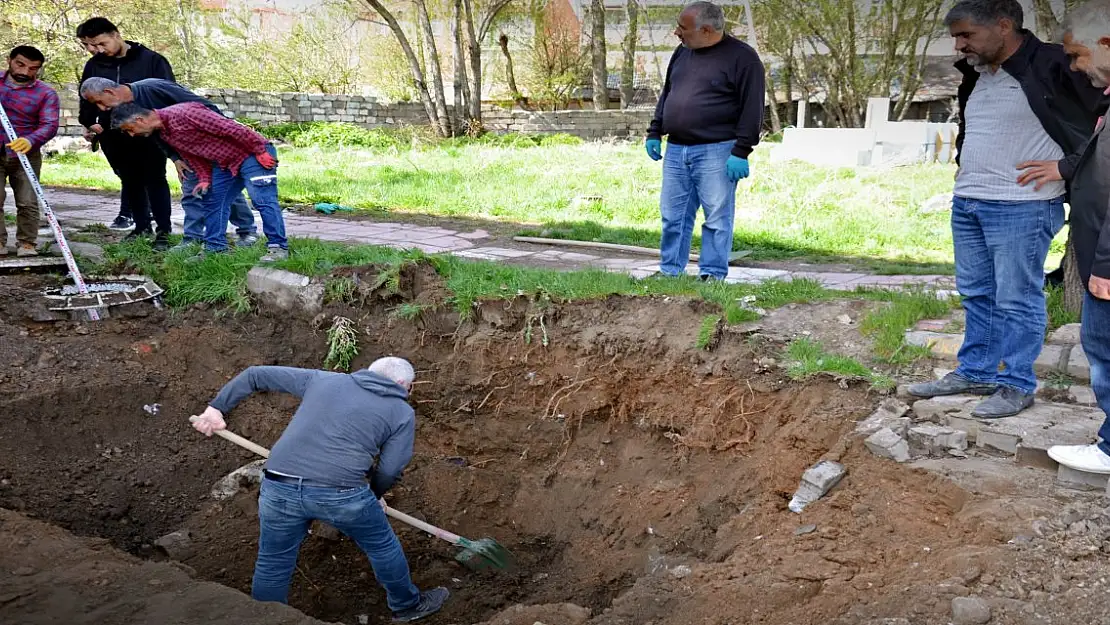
(630, 473)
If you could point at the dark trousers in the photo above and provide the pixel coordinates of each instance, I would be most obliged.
(141, 167)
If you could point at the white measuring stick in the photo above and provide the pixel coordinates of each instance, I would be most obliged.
(54, 225)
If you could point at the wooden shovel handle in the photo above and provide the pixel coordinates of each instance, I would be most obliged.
(454, 539)
(239, 440)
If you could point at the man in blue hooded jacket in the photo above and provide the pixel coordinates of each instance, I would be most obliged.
(318, 470)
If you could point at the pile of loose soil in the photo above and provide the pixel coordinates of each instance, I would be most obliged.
(634, 476)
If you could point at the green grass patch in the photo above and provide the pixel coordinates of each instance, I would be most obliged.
(872, 219)
(1058, 314)
(808, 358)
(887, 324)
(707, 331)
(221, 279)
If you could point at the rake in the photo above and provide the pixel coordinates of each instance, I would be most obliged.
(476, 555)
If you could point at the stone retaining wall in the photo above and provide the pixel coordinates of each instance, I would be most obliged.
(369, 112)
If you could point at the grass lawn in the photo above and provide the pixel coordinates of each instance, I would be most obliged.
(785, 211)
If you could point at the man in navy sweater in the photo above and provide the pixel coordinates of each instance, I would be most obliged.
(156, 93)
(711, 110)
(318, 469)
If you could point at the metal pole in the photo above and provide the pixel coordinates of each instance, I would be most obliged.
(54, 225)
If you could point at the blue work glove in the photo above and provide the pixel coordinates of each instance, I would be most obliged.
(654, 149)
(737, 168)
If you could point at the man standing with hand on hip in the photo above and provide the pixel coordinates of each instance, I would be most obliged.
(1024, 118)
(32, 107)
(1087, 42)
(318, 470)
(711, 110)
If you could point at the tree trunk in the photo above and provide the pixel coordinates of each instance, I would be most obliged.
(438, 97)
(1074, 289)
(773, 104)
(510, 74)
(474, 41)
(460, 84)
(628, 62)
(1046, 21)
(597, 51)
(414, 61)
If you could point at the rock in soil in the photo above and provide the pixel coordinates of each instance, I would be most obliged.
(970, 611)
(177, 545)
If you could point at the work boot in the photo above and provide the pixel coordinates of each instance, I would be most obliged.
(275, 254)
(121, 223)
(26, 249)
(161, 242)
(1086, 458)
(1006, 402)
(951, 384)
(431, 601)
(247, 240)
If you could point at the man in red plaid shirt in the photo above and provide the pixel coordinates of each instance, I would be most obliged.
(226, 156)
(32, 108)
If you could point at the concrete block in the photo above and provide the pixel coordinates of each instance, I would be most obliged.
(1006, 442)
(1066, 476)
(817, 481)
(937, 408)
(1078, 365)
(1052, 358)
(886, 444)
(936, 439)
(1082, 395)
(1065, 335)
(285, 289)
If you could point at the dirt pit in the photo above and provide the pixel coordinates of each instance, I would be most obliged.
(637, 479)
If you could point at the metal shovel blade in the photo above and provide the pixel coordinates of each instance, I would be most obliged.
(484, 554)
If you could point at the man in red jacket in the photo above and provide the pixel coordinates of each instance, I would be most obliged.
(32, 108)
(226, 156)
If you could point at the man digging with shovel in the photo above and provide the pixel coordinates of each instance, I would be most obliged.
(317, 471)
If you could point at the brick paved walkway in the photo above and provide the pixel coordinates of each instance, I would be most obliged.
(77, 208)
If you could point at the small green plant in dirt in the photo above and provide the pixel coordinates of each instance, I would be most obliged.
(340, 289)
(710, 324)
(1059, 380)
(410, 310)
(342, 344)
(808, 358)
(887, 324)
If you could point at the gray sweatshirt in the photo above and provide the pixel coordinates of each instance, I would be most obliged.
(344, 422)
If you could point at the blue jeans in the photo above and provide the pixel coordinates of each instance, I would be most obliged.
(695, 175)
(261, 186)
(1000, 253)
(1096, 345)
(241, 214)
(285, 512)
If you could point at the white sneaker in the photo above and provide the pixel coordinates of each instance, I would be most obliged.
(1086, 458)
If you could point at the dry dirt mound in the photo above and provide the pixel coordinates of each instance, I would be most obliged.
(48, 576)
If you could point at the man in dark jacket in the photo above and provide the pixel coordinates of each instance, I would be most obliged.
(711, 110)
(318, 469)
(1024, 117)
(139, 163)
(156, 93)
(1087, 42)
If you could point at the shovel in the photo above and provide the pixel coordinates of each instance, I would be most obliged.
(476, 555)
